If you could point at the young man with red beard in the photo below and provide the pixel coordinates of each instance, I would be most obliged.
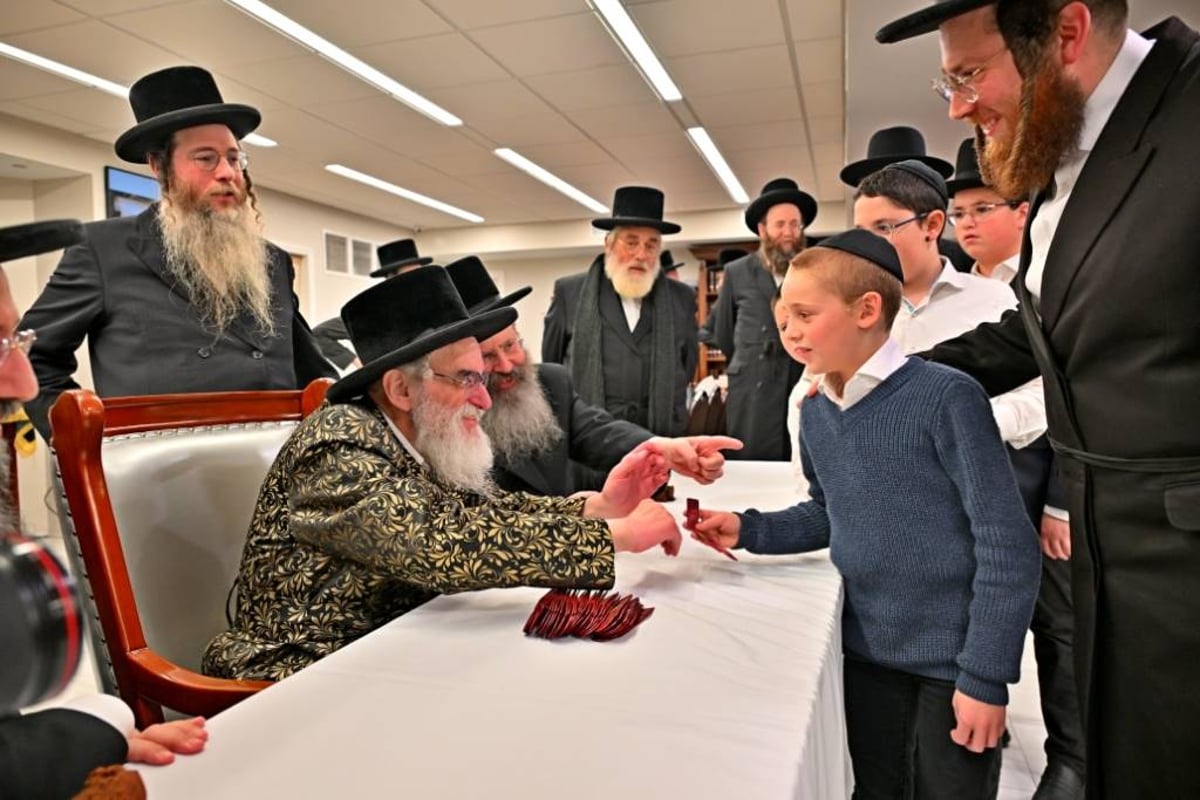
(1099, 124)
(188, 296)
(382, 498)
(742, 325)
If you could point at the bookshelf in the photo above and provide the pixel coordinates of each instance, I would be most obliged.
(708, 286)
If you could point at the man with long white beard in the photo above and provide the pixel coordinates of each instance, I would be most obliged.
(383, 498)
(1099, 124)
(545, 438)
(188, 296)
(742, 325)
(626, 331)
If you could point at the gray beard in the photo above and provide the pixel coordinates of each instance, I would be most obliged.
(459, 459)
(8, 520)
(520, 421)
(220, 260)
(777, 259)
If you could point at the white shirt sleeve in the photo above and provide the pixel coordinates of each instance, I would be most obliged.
(1021, 413)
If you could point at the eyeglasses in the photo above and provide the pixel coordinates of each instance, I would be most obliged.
(978, 211)
(465, 379)
(631, 244)
(208, 160)
(962, 84)
(20, 341)
(887, 229)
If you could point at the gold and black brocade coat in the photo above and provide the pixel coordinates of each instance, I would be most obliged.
(350, 532)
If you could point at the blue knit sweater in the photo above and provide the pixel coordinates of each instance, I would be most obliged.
(914, 496)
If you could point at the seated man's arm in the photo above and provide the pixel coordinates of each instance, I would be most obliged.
(997, 354)
(329, 336)
(49, 753)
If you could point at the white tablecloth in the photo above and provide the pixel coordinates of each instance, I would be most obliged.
(732, 689)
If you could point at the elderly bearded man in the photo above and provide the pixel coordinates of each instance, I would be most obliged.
(188, 296)
(541, 430)
(1099, 123)
(625, 330)
(382, 498)
(742, 324)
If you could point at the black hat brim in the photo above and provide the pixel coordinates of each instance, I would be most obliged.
(853, 173)
(762, 204)
(21, 241)
(390, 269)
(959, 184)
(662, 226)
(926, 20)
(135, 144)
(473, 327)
(499, 302)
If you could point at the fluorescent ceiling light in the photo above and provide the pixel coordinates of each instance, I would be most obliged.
(360, 69)
(391, 188)
(621, 26)
(77, 75)
(716, 161)
(258, 140)
(550, 179)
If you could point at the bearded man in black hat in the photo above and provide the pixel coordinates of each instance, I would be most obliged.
(1098, 124)
(331, 335)
(742, 324)
(625, 330)
(50, 752)
(188, 296)
(382, 498)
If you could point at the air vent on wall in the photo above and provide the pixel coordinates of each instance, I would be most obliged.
(348, 256)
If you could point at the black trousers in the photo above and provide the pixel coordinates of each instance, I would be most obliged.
(898, 726)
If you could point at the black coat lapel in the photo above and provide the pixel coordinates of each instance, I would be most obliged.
(613, 314)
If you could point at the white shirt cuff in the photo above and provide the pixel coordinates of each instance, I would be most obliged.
(1057, 513)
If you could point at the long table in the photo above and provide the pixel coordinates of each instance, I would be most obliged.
(731, 689)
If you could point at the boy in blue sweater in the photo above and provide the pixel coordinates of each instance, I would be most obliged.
(914, 497)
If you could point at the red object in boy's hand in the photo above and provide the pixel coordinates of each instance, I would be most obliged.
(692, 515)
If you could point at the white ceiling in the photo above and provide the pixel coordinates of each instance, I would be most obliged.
(765, 77)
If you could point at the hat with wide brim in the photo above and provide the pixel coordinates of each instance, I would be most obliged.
(21, 241)
(395, 256)
(637, 207)
(667, 262)
(404, 318)
(926, 20)
(777, 192)
(966, 169)
(175, 98)
(887, 146)
(476, 287)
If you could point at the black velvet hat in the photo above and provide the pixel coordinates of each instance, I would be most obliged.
(401, 319)
(926, 20)
(476, 287)
(864, 244)
(887, 146)
(395, 256)
(780, 190)
(966, 169)
(173, 99)
(19, 241)
(639, 207)
(924, 173)
(667, 261)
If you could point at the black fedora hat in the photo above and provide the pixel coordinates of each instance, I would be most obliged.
(639, 207)
(173, 99)
(780, 190)
(399, 320)
(667, 262)
(966, 169)
(19, 241)
(476, 287)
(395, 256)
(887, 146)
(926, 20)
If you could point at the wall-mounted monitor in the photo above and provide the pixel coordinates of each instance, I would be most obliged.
(127, 194)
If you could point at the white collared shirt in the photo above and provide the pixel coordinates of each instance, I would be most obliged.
(632, 306)
(1096, 111)
(1005, 271)
(874, 371)
(412, 451)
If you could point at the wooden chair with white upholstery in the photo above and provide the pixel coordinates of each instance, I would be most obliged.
(157, 494)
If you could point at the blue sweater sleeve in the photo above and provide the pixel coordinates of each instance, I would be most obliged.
(799, 529)
(1007, 558)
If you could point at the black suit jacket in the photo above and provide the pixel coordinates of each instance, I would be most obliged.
(48, 754)
(627, 354)
(591, 437)
(145, 337)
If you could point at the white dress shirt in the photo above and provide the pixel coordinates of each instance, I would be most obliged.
(874, 371)
(1096, 111)
(633, 311)
(1005, 271)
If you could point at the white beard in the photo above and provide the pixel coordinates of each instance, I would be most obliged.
(520, 421)
(459, 457)
(630, 285)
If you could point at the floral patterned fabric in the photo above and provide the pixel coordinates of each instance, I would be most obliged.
(350, 531)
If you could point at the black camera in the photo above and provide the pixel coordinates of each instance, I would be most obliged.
(41, 625)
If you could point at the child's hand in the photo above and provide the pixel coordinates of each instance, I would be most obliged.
(980, 724)
(719, 528)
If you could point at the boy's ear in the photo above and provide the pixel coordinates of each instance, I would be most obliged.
(934, 223)
(870, 309)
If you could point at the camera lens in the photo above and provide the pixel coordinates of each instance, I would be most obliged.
(41, 627)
